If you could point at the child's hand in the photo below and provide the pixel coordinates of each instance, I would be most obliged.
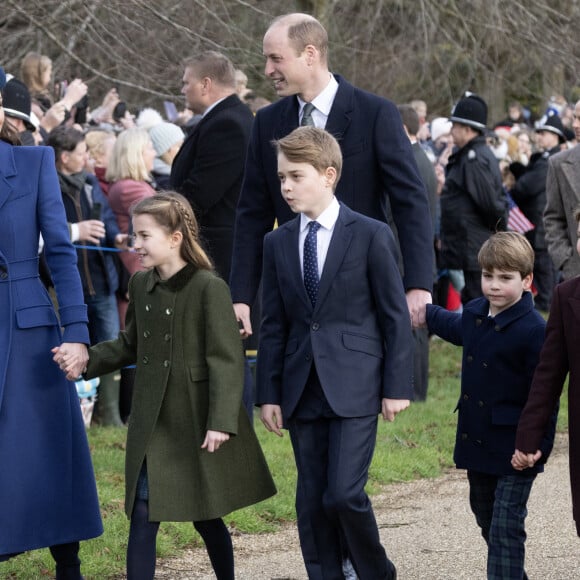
(72, 358)
(390, 407)
(271, 416)
(417, 300)
(214, 440)
(521, 460)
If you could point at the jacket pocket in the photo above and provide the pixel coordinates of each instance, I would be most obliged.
(36, 316)
(364, 344)
(199, 373)
(291, 347)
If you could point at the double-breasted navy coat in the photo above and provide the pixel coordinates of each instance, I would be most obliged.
(47, 488)
(500, 355)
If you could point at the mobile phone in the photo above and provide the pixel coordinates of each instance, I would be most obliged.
(96, 212)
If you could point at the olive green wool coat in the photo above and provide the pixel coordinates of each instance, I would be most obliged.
(183, 337)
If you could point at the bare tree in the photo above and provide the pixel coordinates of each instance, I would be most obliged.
(430, 49)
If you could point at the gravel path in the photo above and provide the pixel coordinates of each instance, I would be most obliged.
(428, 531)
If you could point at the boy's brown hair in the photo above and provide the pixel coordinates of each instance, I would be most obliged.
(314, 146)
(507, 251)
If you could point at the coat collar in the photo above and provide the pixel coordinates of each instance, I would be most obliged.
(571, 169)
(7, 169)
(480, 308)
(338, 120)
(177, 282)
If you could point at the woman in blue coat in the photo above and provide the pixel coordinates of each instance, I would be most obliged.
(48, 496)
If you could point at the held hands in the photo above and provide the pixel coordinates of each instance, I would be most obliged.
(391, 407)
(271, 416)
(521, 460)
(214, 440)
(72, 358)
(242, 312)
(417, 300)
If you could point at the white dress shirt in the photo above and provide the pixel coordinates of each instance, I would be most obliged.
(327, 220)
(322, 103)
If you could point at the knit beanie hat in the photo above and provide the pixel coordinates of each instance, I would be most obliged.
(164, 136)
(440, 126)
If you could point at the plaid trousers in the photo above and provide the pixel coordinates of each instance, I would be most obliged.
(499, 503)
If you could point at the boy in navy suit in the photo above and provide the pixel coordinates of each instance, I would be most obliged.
(501, 334)
(335, 350)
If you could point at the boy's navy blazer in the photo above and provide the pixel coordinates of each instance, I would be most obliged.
(378, 169)
(358, 334)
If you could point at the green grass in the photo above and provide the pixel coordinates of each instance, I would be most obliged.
(418, 444)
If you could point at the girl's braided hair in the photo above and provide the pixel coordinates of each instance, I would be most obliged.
(173, 213)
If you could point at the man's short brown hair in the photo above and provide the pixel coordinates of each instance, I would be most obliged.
(508, 251)
(214, 65)
(303, 30)
(314, 146)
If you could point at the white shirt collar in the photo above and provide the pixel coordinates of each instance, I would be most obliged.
(326, 219)
(213, 106)
(323, 101)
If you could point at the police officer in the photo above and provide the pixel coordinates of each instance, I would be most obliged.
(529, 193)
(473, 202)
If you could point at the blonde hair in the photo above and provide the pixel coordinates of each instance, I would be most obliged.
(173, 213)
(32, 69)
(96, 139)
(507, 251)
(127, 157)
(215, 65)
(314, 146)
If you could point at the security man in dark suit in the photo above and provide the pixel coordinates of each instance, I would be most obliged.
(379, 167)
(209, 167)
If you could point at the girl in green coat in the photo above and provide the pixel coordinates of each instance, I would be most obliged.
(192, 454)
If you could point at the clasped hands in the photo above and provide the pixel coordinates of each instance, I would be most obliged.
(72, 359)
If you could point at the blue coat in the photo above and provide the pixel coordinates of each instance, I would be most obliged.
(500, 355)
(358, 334)
(378, 169)
(47, 487)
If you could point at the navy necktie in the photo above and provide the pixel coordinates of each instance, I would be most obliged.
(310, 262)
(307, 120)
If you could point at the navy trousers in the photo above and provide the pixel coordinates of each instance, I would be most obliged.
(333, 455)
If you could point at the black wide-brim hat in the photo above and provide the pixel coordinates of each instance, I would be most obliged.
(470, 110)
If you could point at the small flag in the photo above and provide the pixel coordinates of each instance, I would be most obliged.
(517, 221)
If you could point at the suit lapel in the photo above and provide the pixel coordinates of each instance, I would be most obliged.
(341, 110)
(7, 169)
(288, 118)
(339, 244)
(292, 258)
(571, 169)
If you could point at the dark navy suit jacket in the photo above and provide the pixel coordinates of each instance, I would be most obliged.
(379, 167)
(208, 171)
(358, 335)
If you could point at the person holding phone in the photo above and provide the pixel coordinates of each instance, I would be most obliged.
(93, 225)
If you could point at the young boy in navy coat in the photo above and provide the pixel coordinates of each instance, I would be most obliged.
(335, 350)
(501, 334)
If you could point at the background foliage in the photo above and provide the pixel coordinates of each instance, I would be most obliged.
(430, 49)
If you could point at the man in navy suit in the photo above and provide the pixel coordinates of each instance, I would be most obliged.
(379, 168)
(335, 350)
